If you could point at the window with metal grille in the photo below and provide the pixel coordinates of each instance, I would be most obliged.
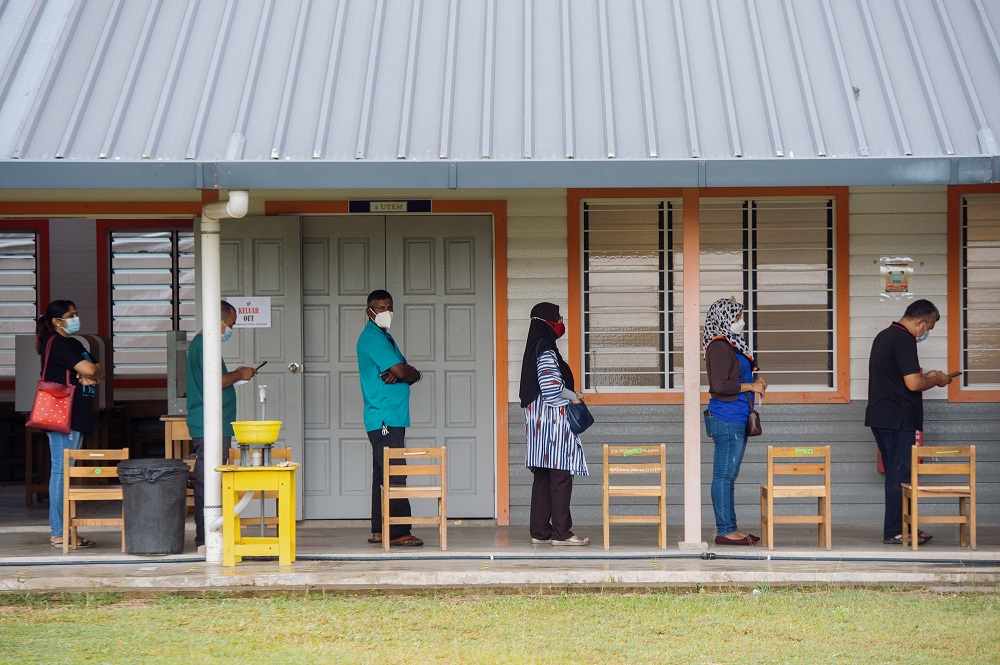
(980, 293)
(18, 293)
(776, 256)
(629, 252)
(152, 292)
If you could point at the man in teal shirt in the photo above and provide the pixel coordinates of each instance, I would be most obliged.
(385, 385)
(196, 411)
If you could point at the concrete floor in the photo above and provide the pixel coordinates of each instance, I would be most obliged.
(336, 556)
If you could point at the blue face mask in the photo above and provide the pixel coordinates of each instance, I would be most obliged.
(924, 336)
(228, 334)
(72, 325)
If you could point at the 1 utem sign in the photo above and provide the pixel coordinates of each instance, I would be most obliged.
(253, 312)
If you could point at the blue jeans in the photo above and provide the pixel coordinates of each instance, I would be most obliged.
(57, 444)
(730, 444)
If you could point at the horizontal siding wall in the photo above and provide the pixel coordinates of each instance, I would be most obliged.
(857, 486)
(897, 222)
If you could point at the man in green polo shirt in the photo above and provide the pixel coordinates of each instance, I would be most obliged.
(196, 411)
(385, 385)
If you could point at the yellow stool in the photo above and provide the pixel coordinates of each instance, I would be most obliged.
(239, 479)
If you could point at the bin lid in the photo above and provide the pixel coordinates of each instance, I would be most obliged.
(151, 470)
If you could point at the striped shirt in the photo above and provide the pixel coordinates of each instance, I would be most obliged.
(551, 443)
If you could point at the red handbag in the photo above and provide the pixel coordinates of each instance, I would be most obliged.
(53, 407)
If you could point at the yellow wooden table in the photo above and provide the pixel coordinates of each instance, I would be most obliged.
(239, 479)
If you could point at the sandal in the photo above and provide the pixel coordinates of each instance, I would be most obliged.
(572, 540)
(376, 538)
(898, 540)
(407, 541)
(81, 542)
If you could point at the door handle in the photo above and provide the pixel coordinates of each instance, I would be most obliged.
(294, 367)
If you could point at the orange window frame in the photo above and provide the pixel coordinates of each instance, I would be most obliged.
(41, 228)
(839, 395)
(955, 195)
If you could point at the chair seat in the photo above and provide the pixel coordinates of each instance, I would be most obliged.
(634, 490)
(949, 491)
(787, 491)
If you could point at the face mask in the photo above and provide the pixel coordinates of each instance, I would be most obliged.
(737, 327)
(559, 327)
(924, 336)
(227, 335)
(72, 325)
(383, 320)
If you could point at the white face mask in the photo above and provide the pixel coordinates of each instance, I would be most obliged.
(383, 320)
(737, 327)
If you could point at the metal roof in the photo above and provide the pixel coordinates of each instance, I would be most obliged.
(498, 93)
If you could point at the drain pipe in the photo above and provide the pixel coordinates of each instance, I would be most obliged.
(211, 295)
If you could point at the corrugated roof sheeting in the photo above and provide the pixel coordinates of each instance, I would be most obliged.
(424, 80)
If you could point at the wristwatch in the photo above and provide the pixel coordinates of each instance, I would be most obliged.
(579, 395)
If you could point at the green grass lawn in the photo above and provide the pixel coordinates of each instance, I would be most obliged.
(774, 626)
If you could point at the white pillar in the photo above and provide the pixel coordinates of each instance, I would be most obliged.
(211, 295)
(692, 374)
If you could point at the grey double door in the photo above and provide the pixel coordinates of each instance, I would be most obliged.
(439, 272)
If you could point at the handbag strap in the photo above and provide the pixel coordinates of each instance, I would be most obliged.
(45, 365)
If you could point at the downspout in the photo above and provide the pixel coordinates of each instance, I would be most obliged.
(211, 294)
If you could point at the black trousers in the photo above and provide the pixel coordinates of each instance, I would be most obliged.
(198, 450)
(896, 446)
(551, 492)
(397, 507)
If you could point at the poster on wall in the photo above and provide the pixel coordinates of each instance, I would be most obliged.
(253, 312)
(896, 273)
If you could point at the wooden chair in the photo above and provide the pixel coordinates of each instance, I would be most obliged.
(797, 461)
(277, 455)
(94, 464)
(959, 462)
(439, 491)
(635, 461)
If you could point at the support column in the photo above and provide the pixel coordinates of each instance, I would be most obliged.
(692, 374)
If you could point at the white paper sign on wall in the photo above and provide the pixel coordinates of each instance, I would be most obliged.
(253, 312)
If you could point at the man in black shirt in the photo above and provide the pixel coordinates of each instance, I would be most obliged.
(895, 403)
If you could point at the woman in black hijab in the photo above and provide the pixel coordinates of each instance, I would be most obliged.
(553, 452)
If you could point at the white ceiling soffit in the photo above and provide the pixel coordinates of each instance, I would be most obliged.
(254, 82)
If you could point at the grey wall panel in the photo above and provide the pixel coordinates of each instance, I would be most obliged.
(857, 485)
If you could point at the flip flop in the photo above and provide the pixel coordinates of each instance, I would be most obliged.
(80, 543)
(898, 540)
(407, 541)
(376, 538)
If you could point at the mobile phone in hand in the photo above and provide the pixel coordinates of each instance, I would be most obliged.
(257, 368)
(954, 374)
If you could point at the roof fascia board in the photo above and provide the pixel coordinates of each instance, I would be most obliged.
(527, 174)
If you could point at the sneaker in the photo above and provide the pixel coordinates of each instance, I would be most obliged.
(571, 541)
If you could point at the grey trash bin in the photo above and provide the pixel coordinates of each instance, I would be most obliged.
(154, 499)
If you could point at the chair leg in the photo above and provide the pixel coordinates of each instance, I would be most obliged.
(914, 520)
(972, 520)
(385, 518)
(770, 521)
(828, 522)
(663, 522)
(444, 524)
(607, 519)
(763, 518)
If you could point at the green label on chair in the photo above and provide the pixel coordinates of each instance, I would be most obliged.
(97, 472)
(803, 451)
(632, 451)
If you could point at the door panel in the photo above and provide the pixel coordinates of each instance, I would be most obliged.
(439, 270)
(261, 257)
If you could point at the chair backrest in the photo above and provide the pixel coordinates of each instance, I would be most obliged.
(92, 463)
(635, 461)
(798, 461)
(277, 455)
(943, 461)
(432, 462)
